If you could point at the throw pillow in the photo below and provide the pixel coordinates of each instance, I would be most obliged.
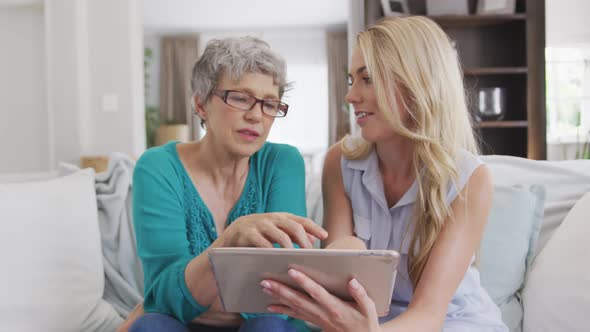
(507, 246)
(52, 273)
(565, 183)
(557, 292)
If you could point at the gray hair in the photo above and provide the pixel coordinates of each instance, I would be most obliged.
(235, 57)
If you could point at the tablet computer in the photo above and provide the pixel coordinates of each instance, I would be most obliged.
(239, 271)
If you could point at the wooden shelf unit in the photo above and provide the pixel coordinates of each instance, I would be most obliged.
(502, 124)
(505, 51)
(495, 70)
(466, 21)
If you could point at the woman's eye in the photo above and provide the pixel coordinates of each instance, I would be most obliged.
(367, 79)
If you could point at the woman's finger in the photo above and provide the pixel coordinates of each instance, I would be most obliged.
(365, 304)
(284, 310)
(329, 302)
(297, 301)
(276, 235)
(312, 239)
(310, 226)
(258, 240)
(295, 231)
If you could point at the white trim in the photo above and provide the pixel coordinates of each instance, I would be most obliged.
(137, 100)
(85, 129)
(49, 79)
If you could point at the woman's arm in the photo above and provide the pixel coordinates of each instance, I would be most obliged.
(450, 257)
(337, 208)
(160, 228)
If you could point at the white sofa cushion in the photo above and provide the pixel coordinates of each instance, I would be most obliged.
(564, 181)
(556, 296)
(27, 177)
(52, 274)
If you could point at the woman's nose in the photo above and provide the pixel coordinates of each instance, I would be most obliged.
(352, 96)
(255, 113)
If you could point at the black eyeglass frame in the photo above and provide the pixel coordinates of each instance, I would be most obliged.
(223, 94)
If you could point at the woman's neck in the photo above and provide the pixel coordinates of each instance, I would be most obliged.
(396, 157)
(219, 164)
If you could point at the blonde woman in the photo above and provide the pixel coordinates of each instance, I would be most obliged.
(412, 183)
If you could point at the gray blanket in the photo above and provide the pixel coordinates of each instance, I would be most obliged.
(122, 268)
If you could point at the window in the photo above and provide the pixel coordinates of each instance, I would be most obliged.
(568, 94)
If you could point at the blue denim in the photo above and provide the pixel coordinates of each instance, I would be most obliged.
(267, 323)
(154, 322)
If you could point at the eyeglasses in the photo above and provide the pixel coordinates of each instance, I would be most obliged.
(246, 102)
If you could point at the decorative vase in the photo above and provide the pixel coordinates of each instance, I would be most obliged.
(173, 132)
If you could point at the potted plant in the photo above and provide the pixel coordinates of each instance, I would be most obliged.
(152, 113)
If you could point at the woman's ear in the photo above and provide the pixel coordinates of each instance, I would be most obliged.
(200, 108)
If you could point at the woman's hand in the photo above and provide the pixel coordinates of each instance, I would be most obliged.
(321, 308)
(264, 229)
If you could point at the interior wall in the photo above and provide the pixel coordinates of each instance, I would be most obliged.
(71, 83)
(567, 22)
(116, 77)
(23, 98)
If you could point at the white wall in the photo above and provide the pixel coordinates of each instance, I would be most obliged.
(567, 22)
(90, 59)
(59, 59)
(223, 15)
(116, 68)
(68, 78)
(23, 102)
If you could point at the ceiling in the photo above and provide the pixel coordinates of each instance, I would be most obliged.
(208, 15)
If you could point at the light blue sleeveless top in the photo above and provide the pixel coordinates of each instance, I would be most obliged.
(384, 227)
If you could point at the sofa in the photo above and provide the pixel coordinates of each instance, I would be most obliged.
(68, 263)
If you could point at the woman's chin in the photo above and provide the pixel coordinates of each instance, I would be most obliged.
(248, 149)
(368, 135)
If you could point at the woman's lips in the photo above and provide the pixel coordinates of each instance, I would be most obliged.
(361, 117)
(248, 134)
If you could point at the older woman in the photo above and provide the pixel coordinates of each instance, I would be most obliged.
(232, 188)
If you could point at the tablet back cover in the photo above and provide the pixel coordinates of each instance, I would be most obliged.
(239, 271)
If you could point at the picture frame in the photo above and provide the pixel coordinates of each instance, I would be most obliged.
(395, 7)
(494, 7)
(447, 7)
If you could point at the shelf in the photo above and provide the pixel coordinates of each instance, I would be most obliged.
(458, 21)
(495, 70)
(503, 124)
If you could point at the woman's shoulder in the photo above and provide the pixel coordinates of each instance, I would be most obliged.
(159, 161)
(333, 159)
(158, 155)
(467, 162)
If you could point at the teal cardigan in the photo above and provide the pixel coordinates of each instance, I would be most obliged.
(173, 225)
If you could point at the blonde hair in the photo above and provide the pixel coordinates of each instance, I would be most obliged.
(413, 58)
